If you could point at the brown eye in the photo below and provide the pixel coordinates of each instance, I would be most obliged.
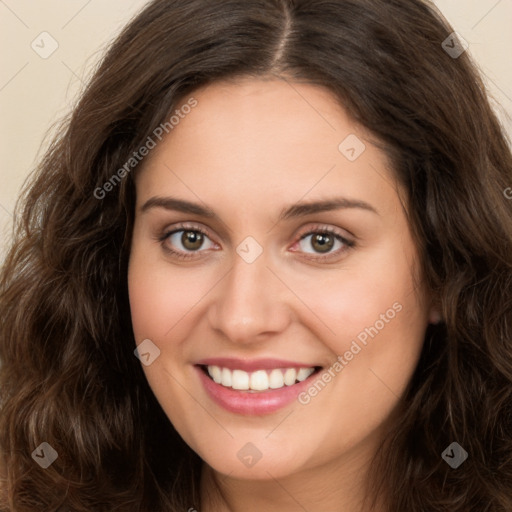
(186, 241)
(322, 242)
(192, 240)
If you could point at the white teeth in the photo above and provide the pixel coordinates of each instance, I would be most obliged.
(240, 379)
(304, 373)
(276, 380)
(215, 373)
(260, 380)
(226, 377)
(290, 376)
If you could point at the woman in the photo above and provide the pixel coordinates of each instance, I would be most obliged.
(266, 266)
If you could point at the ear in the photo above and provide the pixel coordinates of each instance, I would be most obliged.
(434, 316)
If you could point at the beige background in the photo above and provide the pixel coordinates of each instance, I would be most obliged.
(36, 92)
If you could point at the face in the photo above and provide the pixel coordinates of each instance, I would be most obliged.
(273, 269)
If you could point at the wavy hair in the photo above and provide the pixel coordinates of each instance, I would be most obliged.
(68, 375)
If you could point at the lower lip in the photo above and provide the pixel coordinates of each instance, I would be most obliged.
(255, 403)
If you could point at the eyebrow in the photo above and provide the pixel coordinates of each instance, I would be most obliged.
(293, 211)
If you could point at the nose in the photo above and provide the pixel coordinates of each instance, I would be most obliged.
(250, 303)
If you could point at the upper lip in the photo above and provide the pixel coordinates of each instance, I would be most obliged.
(252, 364)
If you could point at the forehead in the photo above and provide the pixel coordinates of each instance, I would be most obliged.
(268, 141)
(252, 117)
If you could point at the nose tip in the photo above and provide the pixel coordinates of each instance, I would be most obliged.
(249, 304)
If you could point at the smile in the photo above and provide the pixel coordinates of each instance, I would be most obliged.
(259, 380)
(255, 387)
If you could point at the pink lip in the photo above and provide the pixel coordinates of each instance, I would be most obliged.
(252, 365)
(255, 403)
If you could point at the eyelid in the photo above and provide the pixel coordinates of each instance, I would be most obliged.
(311, 229)
(183, 226)
(303, 233)
(348, 242)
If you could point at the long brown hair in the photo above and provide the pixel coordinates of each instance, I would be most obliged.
(68, 374)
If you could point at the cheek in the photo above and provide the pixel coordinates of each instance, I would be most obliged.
(369, 290)
(374, 317)
(377, 321)
(160, 297)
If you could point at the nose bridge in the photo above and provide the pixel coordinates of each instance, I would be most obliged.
(249, 302)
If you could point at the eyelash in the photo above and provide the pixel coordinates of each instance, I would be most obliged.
(348, 244)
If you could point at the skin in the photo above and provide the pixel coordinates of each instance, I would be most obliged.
(249, 149)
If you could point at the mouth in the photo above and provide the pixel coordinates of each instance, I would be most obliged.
(254, 388)
(260, 380)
